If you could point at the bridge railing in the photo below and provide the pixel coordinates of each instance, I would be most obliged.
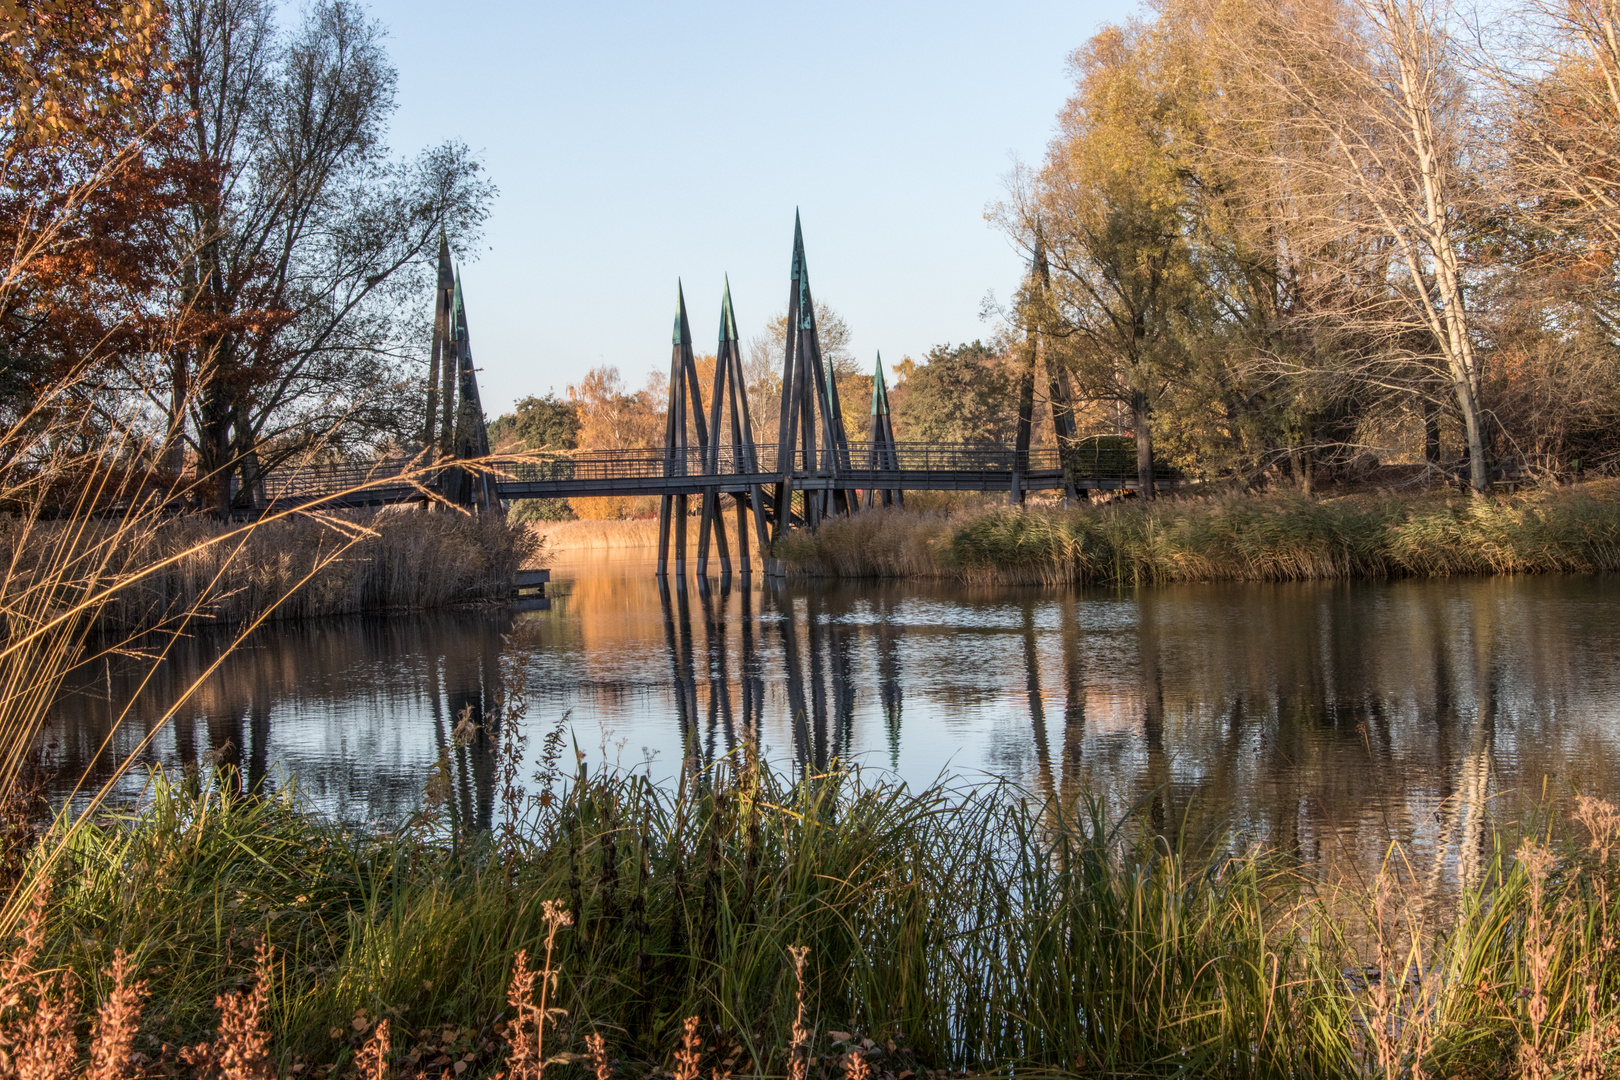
(1094, 461)
(310, 482)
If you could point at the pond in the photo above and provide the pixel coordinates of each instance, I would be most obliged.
(1324, 719)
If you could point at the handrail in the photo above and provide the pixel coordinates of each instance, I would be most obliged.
(855, 459)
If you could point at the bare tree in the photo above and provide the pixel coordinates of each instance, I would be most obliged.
(1375, 103)
(305, 253)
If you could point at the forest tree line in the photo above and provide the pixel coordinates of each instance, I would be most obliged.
(1282, 240)
(1271, 240)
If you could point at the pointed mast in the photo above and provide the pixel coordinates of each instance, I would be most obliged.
(672, 508)
(885, 454)
(742, 434)
(710, 521)
(787, 432)
(442, 299)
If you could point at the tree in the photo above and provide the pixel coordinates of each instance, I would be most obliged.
(1110, 206)
(1377, 112)
(613, 418)
(763, 367)
(963, 394)
(305, 256)
(85, 119)
(535, 423)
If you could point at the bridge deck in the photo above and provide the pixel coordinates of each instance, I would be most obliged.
(655, 471)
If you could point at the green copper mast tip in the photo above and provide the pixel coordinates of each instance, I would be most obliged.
(683, 335)
(880, 390)
(728, 320)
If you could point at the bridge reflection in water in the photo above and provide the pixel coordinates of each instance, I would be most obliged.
(1324, 719)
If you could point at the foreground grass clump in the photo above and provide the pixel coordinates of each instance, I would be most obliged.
(951, 929)
(1275, 537)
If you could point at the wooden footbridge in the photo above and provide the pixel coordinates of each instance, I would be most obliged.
(813, 470)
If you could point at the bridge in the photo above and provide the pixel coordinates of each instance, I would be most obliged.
(813, 470)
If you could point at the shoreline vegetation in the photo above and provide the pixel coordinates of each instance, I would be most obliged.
(1246, 537)
(970, 931)
(341, 562)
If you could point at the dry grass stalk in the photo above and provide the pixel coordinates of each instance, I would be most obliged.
(596, 1052)
(526, 1032)
(799, 1047)
(118, 1019)
(522, 1031)
(1602, 822)
(1540, 949)
(690, 1054)
(242, 1051)
(37, 1011)
(372, 1060)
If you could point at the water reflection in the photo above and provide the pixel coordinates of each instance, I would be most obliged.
(1324, 719)
(359, 711)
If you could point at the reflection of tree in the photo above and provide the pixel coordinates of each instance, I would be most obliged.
(678, 640)
(1037, 708)
(346, 673)
(1074, 699)
(888, 665)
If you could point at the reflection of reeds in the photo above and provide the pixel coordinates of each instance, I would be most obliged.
(1239, 538)
(951, 929)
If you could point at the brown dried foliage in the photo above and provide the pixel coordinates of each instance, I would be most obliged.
(38, 1010)
(242, 1051)
(373, 1058)
(118, 1018)
(799, 1048)
(690, 1054)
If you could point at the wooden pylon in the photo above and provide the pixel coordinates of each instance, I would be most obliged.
(730, 390)
(476, 490)
(443, 303)
(683, 379)
(1057, 378)
(812, 421)
(454, 426)
(884, 453)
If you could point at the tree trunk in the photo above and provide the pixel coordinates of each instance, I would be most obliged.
(1431, 432)
(1144, 443)
(1479, 466)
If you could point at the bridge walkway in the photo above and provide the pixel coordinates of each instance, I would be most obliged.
(660, 471)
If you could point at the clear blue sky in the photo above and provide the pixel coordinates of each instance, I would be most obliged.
(634, 143)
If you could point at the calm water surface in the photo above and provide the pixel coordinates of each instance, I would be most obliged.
(1326, 719)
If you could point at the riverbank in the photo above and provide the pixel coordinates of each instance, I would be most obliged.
(954, 930)
(571, 539)
(1265, 537)
(155, 573)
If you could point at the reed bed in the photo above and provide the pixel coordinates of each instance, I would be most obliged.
(942, 929)
(1273, 537)
(305, 567)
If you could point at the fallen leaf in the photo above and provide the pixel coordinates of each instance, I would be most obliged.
(359, 1023)
(461, 1067)
(840, 1036)
(335, 1033)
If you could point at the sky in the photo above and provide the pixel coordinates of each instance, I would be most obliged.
(635, 144)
